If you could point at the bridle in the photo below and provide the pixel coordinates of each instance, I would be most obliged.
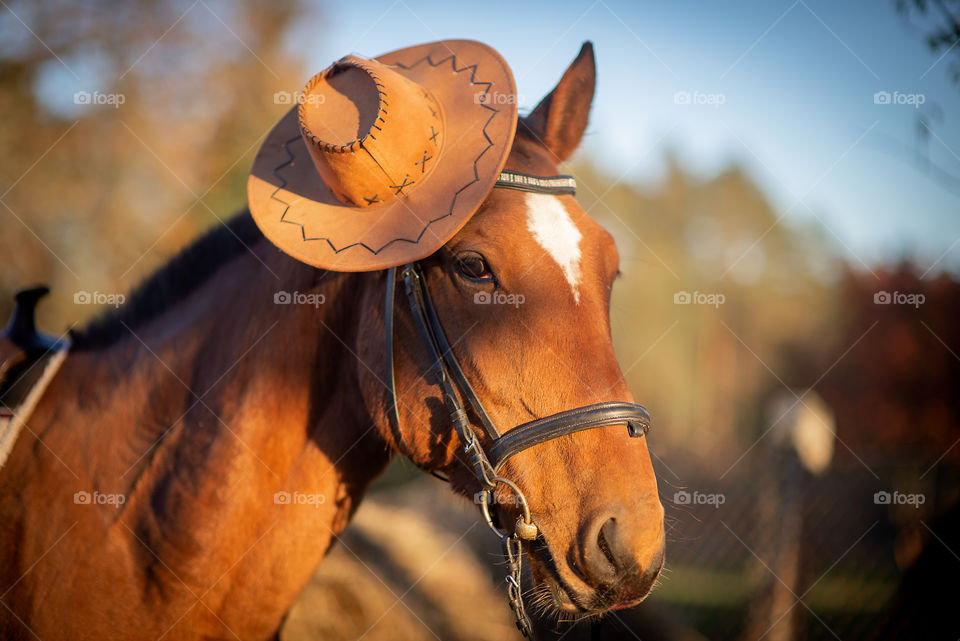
(458, 393)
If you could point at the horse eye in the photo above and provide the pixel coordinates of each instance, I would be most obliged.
(475, 268)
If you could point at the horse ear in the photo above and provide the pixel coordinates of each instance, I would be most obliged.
(560, 119)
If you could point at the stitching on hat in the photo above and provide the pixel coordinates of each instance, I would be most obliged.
(381, 102)
(403, 183)
(456, 194)
(423, 163)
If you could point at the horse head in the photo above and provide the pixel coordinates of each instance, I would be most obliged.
(522, 293)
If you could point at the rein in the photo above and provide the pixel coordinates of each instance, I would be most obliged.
(458, 393)
(10, 426)
(29, 361)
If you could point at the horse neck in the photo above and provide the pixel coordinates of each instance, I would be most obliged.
(202, 415)
(244, 370)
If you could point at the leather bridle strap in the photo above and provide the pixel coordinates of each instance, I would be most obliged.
(457, 389)
(394, 413)
(391, 376)
(576, 420)
(447, 371)
(422, 305)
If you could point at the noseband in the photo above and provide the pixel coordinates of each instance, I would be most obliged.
(457, 391)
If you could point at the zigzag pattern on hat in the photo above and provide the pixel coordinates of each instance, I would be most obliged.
(476, 175)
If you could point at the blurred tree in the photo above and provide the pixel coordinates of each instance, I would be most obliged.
(939, 21)
(941, 26)
(895, 393)
(753, 281)
(129, 127)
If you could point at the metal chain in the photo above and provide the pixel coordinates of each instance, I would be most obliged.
(513, 551)
(512, 543)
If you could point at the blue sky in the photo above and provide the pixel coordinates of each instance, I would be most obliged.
(796, 80)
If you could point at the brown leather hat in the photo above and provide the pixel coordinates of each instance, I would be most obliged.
(384, 160)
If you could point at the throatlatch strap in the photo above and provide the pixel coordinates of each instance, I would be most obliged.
(394, 411)
(388, 349)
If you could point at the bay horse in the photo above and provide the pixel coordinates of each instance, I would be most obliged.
(202, 446)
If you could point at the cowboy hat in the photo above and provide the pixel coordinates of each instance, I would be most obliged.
(383, 160)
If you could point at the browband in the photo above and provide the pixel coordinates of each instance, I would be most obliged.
(563, 184)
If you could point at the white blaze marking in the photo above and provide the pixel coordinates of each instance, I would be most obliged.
(551, 226)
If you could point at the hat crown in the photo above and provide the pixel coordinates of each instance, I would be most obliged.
(372, 133)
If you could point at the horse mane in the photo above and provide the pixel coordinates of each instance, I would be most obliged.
(173, 282)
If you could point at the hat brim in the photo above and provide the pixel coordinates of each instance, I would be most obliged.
(299, 214)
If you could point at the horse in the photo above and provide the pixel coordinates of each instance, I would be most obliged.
(202, 446)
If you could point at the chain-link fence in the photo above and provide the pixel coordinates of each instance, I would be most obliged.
(767, 551)
(775, 553)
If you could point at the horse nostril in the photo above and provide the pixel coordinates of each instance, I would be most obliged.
(604, 544)
(601, 550)
(619, 557)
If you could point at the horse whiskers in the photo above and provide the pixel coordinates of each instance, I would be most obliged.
(542, 600)
(656, 583)
(539, 598)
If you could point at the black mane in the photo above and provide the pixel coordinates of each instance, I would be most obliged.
(171, 283)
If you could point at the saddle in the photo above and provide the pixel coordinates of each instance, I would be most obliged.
(23, 351)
